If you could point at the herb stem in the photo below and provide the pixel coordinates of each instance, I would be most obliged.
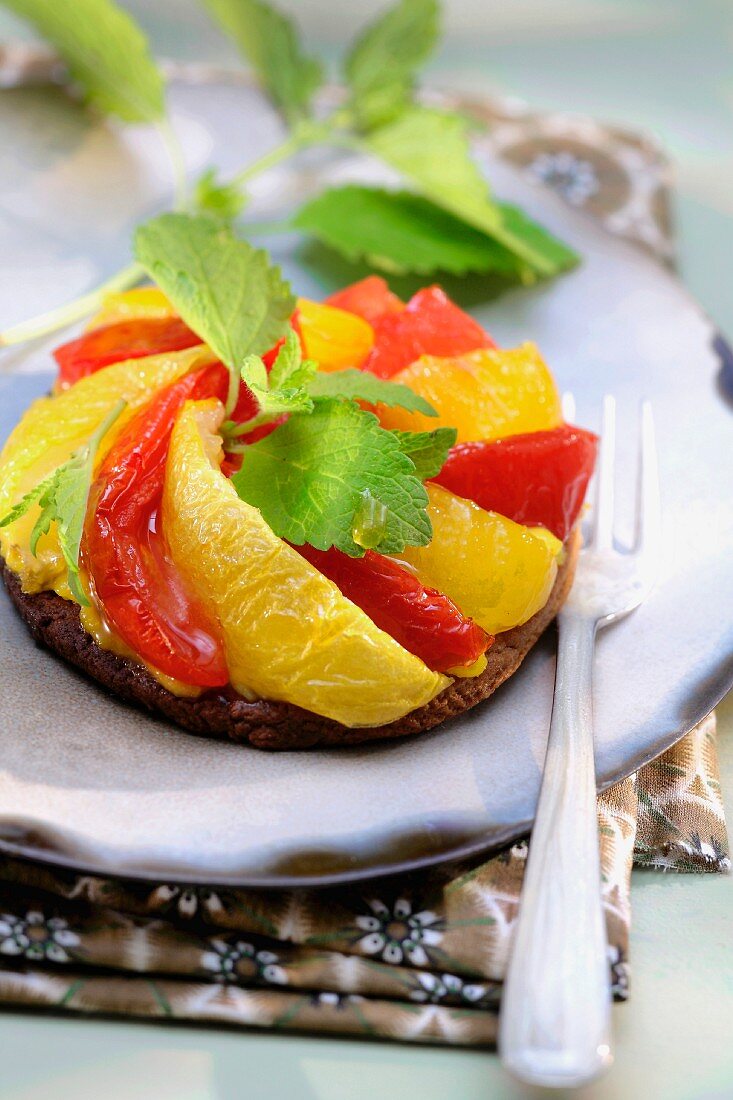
(72, 311)
(178, 163)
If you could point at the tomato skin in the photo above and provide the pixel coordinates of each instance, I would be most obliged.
(123, 340)
(430, 324)
(422, 620)
(538, 479)
(125, 552)
(370, 298)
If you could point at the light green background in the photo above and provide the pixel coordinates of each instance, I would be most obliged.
(665, 66)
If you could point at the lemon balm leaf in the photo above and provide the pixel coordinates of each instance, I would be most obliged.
(226, 290)
(271, 43)
(106, 52)
(358, 385)
(381, 66)
(399, 232)
(309, 476)
(431, 149)
(63, 497)
(428, 450)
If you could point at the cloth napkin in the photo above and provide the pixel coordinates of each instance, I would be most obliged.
(417, 957)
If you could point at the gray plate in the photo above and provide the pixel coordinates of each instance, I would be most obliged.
(92, 784)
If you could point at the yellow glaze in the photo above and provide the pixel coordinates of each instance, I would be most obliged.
(334, 338)
(128, 305)
(107, 638)
(52, 428)
(288, 632)
(495, 570)
(484, 395)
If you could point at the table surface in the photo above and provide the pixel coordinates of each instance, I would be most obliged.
(664, 66)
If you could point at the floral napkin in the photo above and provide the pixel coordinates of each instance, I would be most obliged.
(417, 957)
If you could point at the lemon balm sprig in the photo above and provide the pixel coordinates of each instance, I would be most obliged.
(447, 220)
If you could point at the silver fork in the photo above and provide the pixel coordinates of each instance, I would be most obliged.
(555, 1027)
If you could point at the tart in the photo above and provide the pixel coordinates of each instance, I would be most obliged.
(170, 539)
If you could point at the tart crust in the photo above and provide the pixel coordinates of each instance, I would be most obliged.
(265, 724)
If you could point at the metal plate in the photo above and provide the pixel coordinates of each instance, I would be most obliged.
(93, 784)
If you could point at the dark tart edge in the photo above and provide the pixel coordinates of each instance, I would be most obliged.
(264, 724)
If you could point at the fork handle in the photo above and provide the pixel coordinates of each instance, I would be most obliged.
(555, 1026)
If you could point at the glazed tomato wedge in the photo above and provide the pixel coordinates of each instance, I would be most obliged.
(125, 551)
(124, 340)
(538, 479)
(131, 339)
(430, 324)
(370, 298)
(422, 620)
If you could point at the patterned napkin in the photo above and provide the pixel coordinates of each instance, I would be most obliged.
(419, 957)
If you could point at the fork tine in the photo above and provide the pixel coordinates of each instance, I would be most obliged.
(568, 407)
(602, 527)
(648, 506)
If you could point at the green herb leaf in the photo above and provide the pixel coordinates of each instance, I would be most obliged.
(308, 476)
(272, 401)
(359, 385)
(106, 52)
(428, 450)
(224, 289)
(224, 201)
(381, 66)
(289, 368)
(431, 149)
(271, 43)
(400, 232)
(63, 498)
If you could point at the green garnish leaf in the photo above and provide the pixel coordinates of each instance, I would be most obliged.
(272, 401)
(361, 385)
(224, 201)
(224, 289)
(380, 68)
(431, 149)
(290, 368)
(399, 232)
(308, 476)
(271, 43)
(105, 51)
(428, 450)
(63, 498)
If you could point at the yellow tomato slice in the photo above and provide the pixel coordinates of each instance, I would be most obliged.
(486, 394)
(128, 305)
(288, 632)
(52, 428)
(334, 338)
(495, 570)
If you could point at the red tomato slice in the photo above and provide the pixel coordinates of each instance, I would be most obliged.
(422, 620)
(538, 479)
(430, 324)
(370, 298)
(124, 340)
(125, 551)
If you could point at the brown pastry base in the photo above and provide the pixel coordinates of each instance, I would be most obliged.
(54, 622)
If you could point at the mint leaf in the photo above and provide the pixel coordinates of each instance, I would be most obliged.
(358, 385)
(224, 201)
(428, 450)
(431, 149)
(272, 401)
(224, 289)
(63, 498)
(308, 476)
(289, 367)
(270, 42)
(400, 232)
(556, 256)
(105, 51)
(380, 68)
